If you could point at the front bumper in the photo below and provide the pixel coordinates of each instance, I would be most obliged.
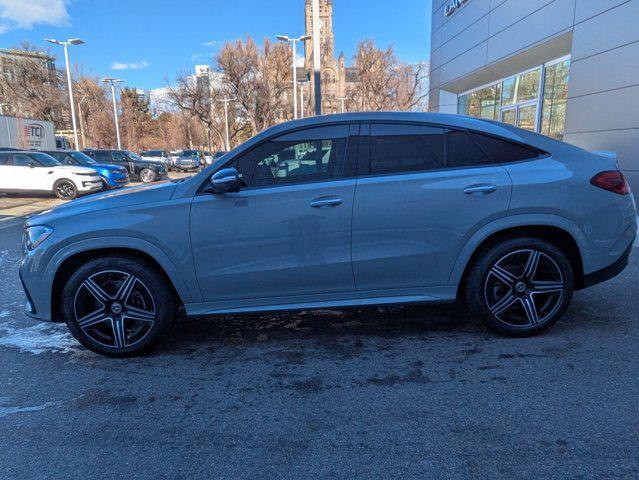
(90, 186)
(117, 180)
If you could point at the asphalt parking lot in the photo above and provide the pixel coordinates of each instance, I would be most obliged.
(403, 392)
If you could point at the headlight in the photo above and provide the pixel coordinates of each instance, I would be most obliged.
(34, 236)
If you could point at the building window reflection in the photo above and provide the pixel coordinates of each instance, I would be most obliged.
(522, 100)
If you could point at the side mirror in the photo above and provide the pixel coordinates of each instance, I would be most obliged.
(226, 180)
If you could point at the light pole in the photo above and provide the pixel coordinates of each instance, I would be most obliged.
(226, 101)
(113, 81)
(294, 41)
(317, 67)
(343, 99)
(303, 83)
(70, 41)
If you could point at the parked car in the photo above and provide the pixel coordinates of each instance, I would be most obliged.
(138, 169)
(354, 209)
(113, 176)
(173, 157)
(37, 172)
(160, 156)
(190, 160)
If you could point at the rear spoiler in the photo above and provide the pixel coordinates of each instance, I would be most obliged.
(608, 154)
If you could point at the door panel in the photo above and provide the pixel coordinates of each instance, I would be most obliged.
(408, 228)
(273, 242)
(288, 232)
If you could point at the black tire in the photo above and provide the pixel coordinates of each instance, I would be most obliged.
(148, 176)
(145, 314)
(501, 293)
(65, 189)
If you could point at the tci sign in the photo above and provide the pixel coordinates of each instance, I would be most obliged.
(453, 6)
(34, 130)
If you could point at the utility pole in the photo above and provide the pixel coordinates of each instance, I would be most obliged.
(113, 81)
(343, 99)
(302, 85)
(293, 41)
(317, 76)
(226, 101)
(71, 41)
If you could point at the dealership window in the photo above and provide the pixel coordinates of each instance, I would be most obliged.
(534, 100)
(553, 117)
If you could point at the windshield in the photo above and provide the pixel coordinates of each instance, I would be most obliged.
(132, 155)
(189, 153)
(44, 159)
(82, 158)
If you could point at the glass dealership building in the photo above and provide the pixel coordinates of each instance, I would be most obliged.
(568, 69)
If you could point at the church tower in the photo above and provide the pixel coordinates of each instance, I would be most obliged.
(327, 39)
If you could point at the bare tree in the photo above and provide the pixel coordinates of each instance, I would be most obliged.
(387, 83)
(259, 81)
(31, 87)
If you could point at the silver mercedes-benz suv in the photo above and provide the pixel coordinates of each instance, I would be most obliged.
(356, 209)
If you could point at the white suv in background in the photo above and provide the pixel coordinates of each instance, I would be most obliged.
(28, 171)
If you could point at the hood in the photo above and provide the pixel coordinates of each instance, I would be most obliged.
(76, 169)
(125, 197)
(112, 168)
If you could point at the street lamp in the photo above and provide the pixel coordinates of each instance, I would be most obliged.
(70, 41)
(343, 99)
(302, 83)
(293, 41)
(112, 82)
(226, 101)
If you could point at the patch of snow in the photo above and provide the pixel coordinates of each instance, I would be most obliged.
(38, 338)
(4, 411)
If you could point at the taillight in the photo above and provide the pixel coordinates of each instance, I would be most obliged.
(613, 181)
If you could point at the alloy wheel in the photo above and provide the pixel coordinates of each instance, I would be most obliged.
(114, 308)
(65, 191)
(147, 176)
(524, 288)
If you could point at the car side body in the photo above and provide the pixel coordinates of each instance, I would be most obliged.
(27, 171)
(158, 156)
(113, 176)
(136, 167)
(363, 237)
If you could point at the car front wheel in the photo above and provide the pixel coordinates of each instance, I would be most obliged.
(65, 189)
(520, 286)
(118, 306)
(147, 175)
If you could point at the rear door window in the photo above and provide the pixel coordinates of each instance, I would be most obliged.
(401, 148)
(5, 159)
(503, 151)
(462, 151)
(101, 157)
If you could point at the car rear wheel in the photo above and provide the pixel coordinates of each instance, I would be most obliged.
(147, 175)
(118, 306)
(65, 189)
(519, 287)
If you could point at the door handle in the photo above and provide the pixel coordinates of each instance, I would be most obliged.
(481, 189)
(326, 202)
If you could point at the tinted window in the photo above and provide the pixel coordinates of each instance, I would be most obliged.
(405, 148)
(503, 151)
(463, 152)
(118, 157)
(307, 156)
(5, 159)
(101, 157)
(22, 160)
(60, 157)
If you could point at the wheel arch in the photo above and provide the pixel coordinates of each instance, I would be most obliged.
(70, 262)
(568, 240)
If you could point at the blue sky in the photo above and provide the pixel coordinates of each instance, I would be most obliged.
(146, 41)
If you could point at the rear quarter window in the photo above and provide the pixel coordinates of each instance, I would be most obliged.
(503, 151)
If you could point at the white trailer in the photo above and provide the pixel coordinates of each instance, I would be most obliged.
(26, 133)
